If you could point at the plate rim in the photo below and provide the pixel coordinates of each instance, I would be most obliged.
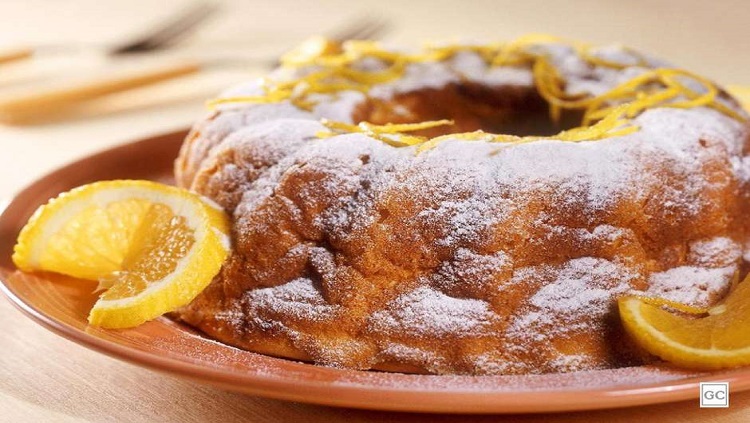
(359, 396)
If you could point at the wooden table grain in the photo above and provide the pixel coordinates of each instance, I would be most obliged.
(44, 378)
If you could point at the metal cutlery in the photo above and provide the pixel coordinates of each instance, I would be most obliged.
(160, 36)
(40, 102)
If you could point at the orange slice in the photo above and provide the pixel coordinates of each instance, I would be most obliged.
(720, 339)
(153, 247)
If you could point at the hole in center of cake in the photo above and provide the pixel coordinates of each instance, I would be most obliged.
(514, 110)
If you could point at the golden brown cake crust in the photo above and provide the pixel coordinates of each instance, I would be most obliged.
(471, 257)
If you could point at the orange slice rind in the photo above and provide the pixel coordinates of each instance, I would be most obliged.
(705, 339)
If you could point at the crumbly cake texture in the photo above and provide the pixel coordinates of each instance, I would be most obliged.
(470, 257)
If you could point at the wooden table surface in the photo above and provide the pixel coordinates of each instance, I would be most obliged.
(46, 378)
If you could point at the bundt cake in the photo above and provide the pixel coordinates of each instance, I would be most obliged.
(466, 209)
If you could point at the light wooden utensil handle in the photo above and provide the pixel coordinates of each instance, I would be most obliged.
(40, 102)
(16, 53)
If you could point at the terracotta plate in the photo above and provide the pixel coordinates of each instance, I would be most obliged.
(61, 304)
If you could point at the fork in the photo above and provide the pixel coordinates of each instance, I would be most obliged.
(158, 37)
(40, 102)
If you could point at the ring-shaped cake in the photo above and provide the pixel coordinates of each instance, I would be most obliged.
(466, 209)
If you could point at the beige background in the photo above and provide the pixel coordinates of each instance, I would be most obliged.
(45, 378)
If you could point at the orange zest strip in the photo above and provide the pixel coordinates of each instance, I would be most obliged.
(333, 69)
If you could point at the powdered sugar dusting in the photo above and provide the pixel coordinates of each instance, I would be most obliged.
(715, 252)
(692, 285)
(425, 311)
(583, 287)
(577, 298)
(298, 298)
